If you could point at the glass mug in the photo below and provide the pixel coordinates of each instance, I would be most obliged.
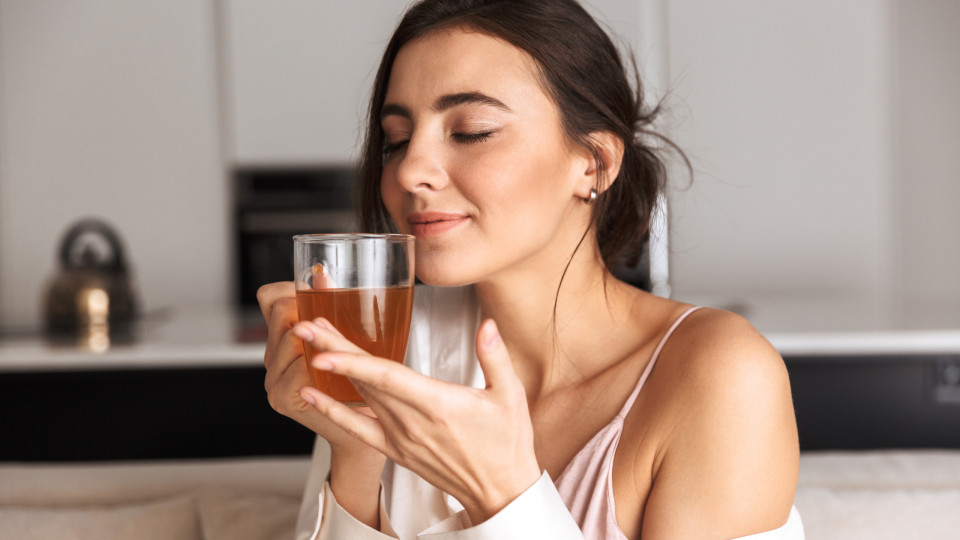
(363, 285)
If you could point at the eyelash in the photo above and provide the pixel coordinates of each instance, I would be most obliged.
(462, 138)
(471, 138)
(391, 148)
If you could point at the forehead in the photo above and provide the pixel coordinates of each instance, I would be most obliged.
(462, 60)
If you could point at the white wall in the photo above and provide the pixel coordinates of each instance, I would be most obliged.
(928, 139)
(109, 108)
(785, 109)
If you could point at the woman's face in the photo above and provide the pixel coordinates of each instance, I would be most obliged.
(477, 165)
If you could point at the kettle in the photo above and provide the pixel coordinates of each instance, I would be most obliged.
(93, 290)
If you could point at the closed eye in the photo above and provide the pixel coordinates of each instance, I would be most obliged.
(471, 138)
(462, 138)
(391, 148)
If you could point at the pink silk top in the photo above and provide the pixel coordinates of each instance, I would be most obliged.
(586, 484)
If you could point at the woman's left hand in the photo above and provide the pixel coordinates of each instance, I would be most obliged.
(475, 444)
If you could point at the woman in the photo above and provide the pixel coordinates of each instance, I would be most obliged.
(541, 397)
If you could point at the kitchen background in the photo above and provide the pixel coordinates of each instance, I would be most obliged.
(824, 136)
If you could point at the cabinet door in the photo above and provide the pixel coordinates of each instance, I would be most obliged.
(298, 74)
(108, 108)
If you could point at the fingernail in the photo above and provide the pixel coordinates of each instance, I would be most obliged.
(322, 323)
(303, 333)
(322, 365)
(304, 395)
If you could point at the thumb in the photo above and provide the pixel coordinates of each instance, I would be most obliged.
(493, 356)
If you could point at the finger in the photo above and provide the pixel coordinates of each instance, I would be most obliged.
(360, 425)
(286, 373)
(321, 278)
(270, 293)
(494, 357)
(283, 385)
(384, 376)
(283, 316)
(324, 337)
(288, 351)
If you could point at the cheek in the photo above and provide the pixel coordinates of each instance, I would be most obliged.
(523, 184)
(392, 197)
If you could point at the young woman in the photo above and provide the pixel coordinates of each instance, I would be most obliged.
(541, 397)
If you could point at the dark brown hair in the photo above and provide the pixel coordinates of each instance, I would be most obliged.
(582, 72)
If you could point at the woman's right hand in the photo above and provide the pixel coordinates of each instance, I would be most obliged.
(355, 466)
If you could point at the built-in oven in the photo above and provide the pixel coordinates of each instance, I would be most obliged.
(274, 204)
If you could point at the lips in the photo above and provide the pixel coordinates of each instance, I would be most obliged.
(431, 224)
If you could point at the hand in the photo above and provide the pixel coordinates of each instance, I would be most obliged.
(475, 444)
(287, 374)
(355, 467)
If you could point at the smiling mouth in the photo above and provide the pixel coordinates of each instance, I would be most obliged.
(431, 224)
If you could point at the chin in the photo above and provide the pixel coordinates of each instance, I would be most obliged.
(441, 280)
(437, 274)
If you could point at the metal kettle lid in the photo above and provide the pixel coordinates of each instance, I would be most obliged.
(76, 255)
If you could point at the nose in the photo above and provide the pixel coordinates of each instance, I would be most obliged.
(420, 167)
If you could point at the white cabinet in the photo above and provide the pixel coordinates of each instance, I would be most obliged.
(826, 166)
(108, 108)
(297, 76)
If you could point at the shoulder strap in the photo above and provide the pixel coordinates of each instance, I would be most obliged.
(653, 360)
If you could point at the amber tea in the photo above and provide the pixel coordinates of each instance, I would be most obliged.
(376, 320)
(363, 285)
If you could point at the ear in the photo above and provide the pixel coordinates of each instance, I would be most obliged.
(610, 148)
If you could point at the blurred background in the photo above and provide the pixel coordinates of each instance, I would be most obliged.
(823, 135)
(194, 137)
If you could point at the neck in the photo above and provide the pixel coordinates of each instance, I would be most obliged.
(553, 323)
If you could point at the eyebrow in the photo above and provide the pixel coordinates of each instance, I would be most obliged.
(445, 102)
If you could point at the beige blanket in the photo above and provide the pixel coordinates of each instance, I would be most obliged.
(842, 495)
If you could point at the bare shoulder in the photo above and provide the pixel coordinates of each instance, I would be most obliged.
(728, 456)
(721, 353)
